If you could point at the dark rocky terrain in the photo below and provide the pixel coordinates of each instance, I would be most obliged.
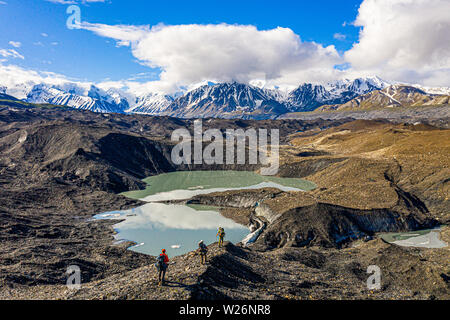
(59, 167)
(436, 115)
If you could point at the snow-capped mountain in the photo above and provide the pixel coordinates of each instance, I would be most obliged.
(308, 97)
(222, 100)
(121, 99)
(5, 96)
(226, 100)
(71, 95)
(358, 86)
(431, 90)
(230, 100)
(394, 96)
(19, 91)
(151, 103)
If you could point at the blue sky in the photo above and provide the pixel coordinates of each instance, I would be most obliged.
(165, 45)
(83, 55)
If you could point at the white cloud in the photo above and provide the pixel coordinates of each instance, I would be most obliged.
(15, 44)
(404, 40)
(138, 88)
(44, 34)
(125, 34)
(400, 40)
(189, 54)
(12, 75)
(3, 2)
(156, 215)
(18, 80)
(7, 53)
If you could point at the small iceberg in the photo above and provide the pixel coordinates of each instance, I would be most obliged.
(430, 240)
(176, 246)
(196, 188)
(254, 235)
(113, 215)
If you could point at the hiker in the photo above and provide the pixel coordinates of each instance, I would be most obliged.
(162, 264)
(221, 235)
(203, 250)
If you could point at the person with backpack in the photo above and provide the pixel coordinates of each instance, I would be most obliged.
(161, 265)
(221, 235)
(203, 250)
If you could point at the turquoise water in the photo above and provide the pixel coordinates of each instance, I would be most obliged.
(429, 238)
(178, 228)
(203, 180)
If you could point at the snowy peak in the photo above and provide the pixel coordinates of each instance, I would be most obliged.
(151, 103)
(391, 97)
(226, 100)
(431, 90)
(92, 98)
(358, 85)
(234, 100)
(309, 97)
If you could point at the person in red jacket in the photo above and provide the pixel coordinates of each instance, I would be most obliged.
(162, 264)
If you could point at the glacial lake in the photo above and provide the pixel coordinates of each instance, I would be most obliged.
(429, 238)
(178, 228)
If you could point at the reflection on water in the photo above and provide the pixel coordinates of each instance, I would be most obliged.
(177, 228)
(161, 216)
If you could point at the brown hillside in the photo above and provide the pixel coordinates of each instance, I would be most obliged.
(392, 97)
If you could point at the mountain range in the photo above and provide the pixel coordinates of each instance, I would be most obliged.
(391, 97)
(234, 100)
(91, 98)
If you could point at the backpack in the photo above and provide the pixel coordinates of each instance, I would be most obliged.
(221, 233)
(160, 263)
(203, 248)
